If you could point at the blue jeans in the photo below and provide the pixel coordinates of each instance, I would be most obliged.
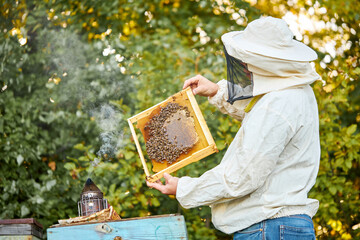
(295, 227)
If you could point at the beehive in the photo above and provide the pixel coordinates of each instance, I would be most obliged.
(20, 229)
(203, 147)
(170, 226)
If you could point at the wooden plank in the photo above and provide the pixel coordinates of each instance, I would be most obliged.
(193, 158)
(139, 148)
(146, 112)
(169, 227)
(20, 237)
(21, 221)
(15, 229)
(123, 219)
(20, 229)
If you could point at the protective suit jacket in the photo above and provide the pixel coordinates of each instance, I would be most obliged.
(269, 167)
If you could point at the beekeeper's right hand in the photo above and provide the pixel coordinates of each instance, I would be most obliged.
(201, 86)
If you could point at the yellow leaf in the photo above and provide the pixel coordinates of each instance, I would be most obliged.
(126, 30)
(95, 24)
(346, 236)
(328, 88)
(52, 165)
(132, 23)
(91, 36)
(57, 80)
(358, 118)
(216, 11)
(15, 31)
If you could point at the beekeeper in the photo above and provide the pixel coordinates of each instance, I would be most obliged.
(260, 188)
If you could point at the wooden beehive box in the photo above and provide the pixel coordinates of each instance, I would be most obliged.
(170, 226)
(203, 147)
(20, 229)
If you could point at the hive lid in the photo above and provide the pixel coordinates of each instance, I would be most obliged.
(20, 221)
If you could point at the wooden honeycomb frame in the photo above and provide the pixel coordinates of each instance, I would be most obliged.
(203, 148)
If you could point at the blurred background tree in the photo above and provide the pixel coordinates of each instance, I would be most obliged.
(72, 72)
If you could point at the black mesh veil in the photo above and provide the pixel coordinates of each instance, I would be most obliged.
(239, 78)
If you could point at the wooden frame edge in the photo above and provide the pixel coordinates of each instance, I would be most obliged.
(200, 117)
(184, 162)
(138, 147)
(148, 111)
(145, 112)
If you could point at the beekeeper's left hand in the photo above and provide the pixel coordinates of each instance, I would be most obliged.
(168, 188)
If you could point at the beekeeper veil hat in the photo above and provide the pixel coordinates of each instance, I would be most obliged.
(264, 58)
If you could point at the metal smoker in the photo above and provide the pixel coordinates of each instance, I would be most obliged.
(91, 199)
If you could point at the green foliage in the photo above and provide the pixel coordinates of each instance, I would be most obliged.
(338, 179)
(66, 65)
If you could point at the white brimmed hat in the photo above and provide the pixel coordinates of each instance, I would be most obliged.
(269, 37)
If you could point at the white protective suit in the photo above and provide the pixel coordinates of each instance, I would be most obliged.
(273, 161)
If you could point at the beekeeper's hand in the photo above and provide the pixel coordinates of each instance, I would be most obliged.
(201, 86)
(170, 184)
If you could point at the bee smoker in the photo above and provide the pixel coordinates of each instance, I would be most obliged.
(91, 199)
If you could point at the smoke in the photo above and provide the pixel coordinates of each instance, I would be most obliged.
(108, 120)
(84, 79)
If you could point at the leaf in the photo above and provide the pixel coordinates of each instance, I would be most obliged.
(84, 158)
(80, 147)
(50, 184)
(220, 144)
(155, 202)
(332, 189)
(112, 188)
(348, 163)
(333, 210)
(24, 211)
(52, 165)
(91, 156)
(329, 87)
(128, 155)
(19, 159)
(69, 166)
(357, 71)
(1, 124)
(350, 130)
